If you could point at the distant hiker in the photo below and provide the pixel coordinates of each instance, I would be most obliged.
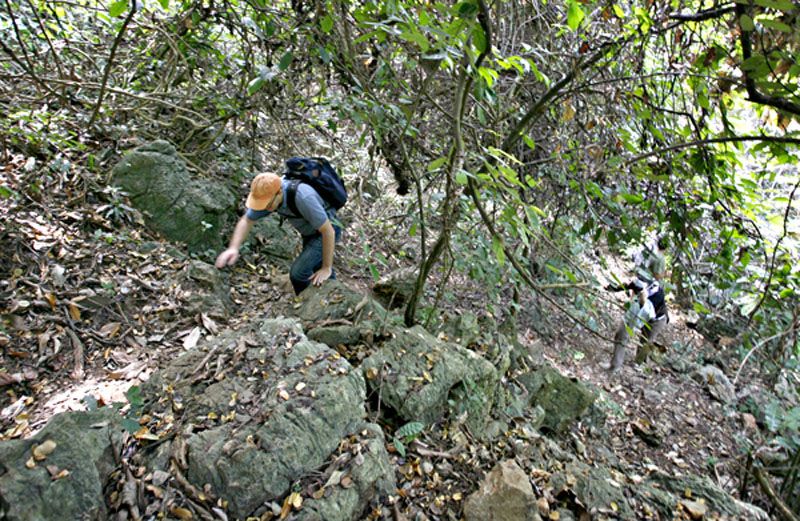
(308, 206)
(647, 311)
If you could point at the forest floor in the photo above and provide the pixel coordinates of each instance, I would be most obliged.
(88, 313)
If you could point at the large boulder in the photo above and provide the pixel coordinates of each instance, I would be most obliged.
(716, 382)
(505, 495)
(204, 290)
(182, 208)
(563, 399)
(266, 407)
(663, 490)
(395, 288)
(66, 483)
(423, 378)
(277, 241)
(360, 473)
(334, 303)
(594, 488)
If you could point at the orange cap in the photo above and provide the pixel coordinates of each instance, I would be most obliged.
(262, 190)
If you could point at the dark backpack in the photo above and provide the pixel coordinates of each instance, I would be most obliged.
(659, 302)
(320, 175)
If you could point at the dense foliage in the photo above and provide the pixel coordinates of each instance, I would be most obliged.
(523, 135)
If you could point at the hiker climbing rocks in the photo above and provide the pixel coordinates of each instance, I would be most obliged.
(647, 311)
(308, 196)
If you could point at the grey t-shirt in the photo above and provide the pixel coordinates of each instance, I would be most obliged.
(313, 210)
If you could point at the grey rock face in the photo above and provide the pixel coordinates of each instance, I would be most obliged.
(205, 290)
(505, 495)
(595, 489)
(335, 303)
(716, 499)
(85, 447)
(282, 403)
(395, 288)
(562, 399)
(417, 374)
(182, 208)
(716, 382)
(279, 243)
(369, 473)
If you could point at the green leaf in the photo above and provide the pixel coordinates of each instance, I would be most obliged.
(467, 9)
(619, 11)
(326, 24)
(497, 248)
(401, 449)
(575, 15)
(775, 24)
(488, 75)
(436, 164)
(418, 38)
(632, 198)
(479, 37)
(746, 23)
(164, 3)
(409, 430)
(780, 5)
(255, 85)
(461, 177)
(286, 60)
(130, 425)
(6, 192)
(529, 141)
(117, 8)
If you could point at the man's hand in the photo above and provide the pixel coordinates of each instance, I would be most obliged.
(227, 258)
(321, 276)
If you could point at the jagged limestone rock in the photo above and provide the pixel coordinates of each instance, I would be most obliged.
(462, 328)
(395, 288)
(86, 446)
(280, 243)
(182, 208)
(563, 399)
(716, 382)
(370, 475)
(423, 378)
(267, 407)
(333, 336)
(506, 494)
(204, 290)
(718, 501)
(594, 488)
(333, 303)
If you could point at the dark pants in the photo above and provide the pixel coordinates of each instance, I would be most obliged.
(647, 336)
(309, 261)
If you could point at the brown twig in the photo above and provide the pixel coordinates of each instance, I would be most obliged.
(110, 63)
(77, 354)
(766, 487)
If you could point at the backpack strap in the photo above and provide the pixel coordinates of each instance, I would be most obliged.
(291, 194)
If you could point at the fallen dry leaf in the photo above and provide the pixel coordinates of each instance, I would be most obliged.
(209, 324)
(40, 452)
(110, 330)
(190, 342)
(695, 509)
(181, 513)
(74, 311)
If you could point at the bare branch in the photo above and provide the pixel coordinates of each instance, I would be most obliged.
(110, 63)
